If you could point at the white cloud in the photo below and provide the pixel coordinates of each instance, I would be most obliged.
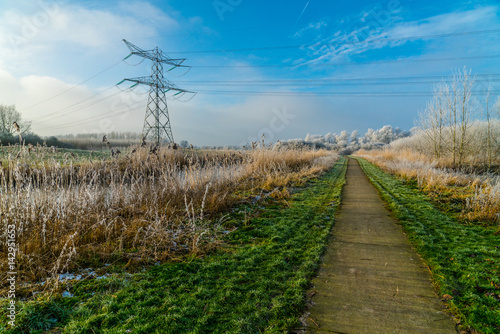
(32, 37)
(372, 36)
(447, 23)
(312, 27)
(210, 124)
(39, 100)
(9, 88)
(149, 13)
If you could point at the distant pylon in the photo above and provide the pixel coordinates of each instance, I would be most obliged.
(156, 121)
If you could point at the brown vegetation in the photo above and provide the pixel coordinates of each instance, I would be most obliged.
(149, 205)
(477, 196)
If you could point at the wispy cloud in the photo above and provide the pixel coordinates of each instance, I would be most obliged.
(447, 23)
(313, 27)
(340, 46)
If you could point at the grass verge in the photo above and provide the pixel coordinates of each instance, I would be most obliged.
(254, 283)
(471, 198)
(464, 260)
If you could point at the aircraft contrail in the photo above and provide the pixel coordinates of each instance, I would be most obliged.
(307, 4)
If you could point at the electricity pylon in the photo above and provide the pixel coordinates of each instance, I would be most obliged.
(157, 121)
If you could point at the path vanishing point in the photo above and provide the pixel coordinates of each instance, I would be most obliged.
(371, 280)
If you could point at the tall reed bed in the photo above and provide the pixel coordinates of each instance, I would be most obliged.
(477, 195)
(146, 206)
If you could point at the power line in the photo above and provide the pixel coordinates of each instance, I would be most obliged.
(77, 103)
(112, 113)
(283, 47)
(485, 76)
(73, 110)
(270, 66)
(337, 94)
(73, 87)
(407, 60)
(488, 77)
(118, 111)
(326, 84)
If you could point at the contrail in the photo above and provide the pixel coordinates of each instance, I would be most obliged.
(307, 4)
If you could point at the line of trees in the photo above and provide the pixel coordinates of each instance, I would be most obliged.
(347, 143)
(449, 117)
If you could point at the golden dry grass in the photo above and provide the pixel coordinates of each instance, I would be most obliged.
(141, 207)
(478, 195)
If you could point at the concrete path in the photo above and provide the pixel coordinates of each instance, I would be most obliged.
(371, 281)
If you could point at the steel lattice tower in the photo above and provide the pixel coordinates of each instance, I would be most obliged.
(156, 121)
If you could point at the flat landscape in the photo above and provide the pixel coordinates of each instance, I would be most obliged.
(245, 258)
(233, 166)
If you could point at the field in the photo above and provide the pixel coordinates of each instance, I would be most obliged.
(202, 241)
(118, 216)
(74, 211)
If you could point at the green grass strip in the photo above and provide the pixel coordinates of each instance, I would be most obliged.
(256, 283)
(464, 260)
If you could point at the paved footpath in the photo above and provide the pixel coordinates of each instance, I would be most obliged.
(371, 280)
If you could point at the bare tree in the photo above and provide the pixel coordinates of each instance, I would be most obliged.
(451, 105)
(10, 116)
(461, 107)
(433, 120)
(468, 108)
(489, 126)
(498, 107)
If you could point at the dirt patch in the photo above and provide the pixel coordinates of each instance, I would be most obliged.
(371, 280)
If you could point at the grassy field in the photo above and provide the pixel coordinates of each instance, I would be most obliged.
(220, 241)
(148, 206)
(463, 258)
(254, 282)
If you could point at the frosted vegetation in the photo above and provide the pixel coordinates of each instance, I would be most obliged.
(347, 143)
(459, 128)
(143, 207)
(454, 152)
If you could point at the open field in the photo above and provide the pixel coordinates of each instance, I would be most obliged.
(254, 280)
(220, 241)
(248, 167)
(41, 155)
(75, 211)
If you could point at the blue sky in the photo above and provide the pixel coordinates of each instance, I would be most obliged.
(283, 68)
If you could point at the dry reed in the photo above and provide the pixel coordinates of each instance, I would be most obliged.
(142, 207)
(478, 194)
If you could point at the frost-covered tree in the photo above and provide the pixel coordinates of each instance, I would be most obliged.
(368, 138)
(330, 138)
(385, 134)
(10, 118)
(350, 142)
(354, 136)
